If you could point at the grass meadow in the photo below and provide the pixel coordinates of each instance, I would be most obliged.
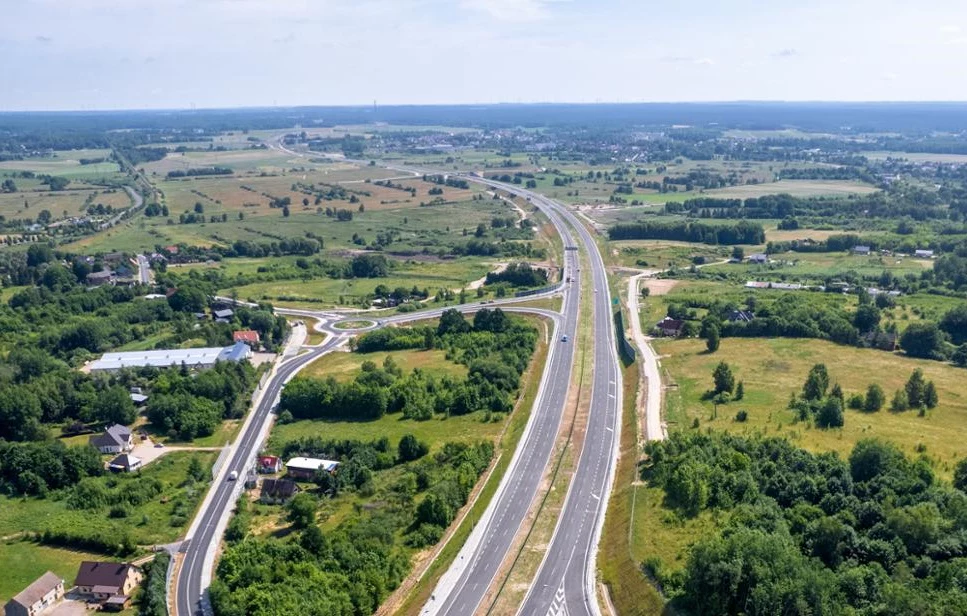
(773, 369)
(161, 520)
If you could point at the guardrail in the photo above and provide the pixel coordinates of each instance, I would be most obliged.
(626, 350)
(547, 289)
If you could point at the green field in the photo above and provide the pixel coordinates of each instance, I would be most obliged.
(62, 203)
(418, 228)
(25, 561)
(66, 163)
(154, 522)
(454, 274)
(773, 369)
(344, 365)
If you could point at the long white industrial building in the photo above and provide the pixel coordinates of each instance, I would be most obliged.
(192, 358)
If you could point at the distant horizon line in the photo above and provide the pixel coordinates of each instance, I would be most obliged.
(377, 105)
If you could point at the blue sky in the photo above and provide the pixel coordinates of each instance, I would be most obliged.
(120, 54)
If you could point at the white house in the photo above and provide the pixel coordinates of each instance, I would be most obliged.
(116, 439)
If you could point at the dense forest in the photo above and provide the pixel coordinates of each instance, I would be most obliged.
(810, 533)
(742, 232)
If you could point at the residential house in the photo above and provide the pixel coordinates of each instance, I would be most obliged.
(670, 327)
(125, 463)
(103, 277)
(759, 257)
(923, 254)
(43, 593)
(116, 439)
(269, 464)
(741, 316)
(861, 250)
(248, 336)
(102, 580)
(306, 468)
(278, 491)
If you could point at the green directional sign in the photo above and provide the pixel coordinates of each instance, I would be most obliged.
(614, 300)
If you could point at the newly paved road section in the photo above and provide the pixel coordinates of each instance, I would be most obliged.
(194, 570)
(565, 583)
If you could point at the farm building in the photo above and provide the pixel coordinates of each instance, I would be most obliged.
(248, 336)
(115, 439)
(923, 254)
(759, 257)
(104, 581)
(741, 316)
(44, 592)
(269, 464)
(125, 463)
(306, 468)
(861, 250)
(193, 358)
(670, 327)
(278, 491)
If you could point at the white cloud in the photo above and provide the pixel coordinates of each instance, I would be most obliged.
(510, 10)
(785, 53)
(956, 41)
(687, 60)
(950, 29)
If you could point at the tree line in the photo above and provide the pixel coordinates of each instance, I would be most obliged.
(742, 232)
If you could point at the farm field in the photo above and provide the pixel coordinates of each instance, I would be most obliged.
(803, 266)
(67, 163)
(919, 157)
(417, 228)
(61, 203)
(796, 188)
(773, 369)
(25, 561)
(661, 254)
(160, 520)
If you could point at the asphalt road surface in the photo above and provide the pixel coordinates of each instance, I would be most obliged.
(205, 541)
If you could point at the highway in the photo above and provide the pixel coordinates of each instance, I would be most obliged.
(566, 580)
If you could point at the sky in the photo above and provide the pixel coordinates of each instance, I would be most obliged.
(133, 54)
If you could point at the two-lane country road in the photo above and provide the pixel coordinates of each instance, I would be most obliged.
(199, 549)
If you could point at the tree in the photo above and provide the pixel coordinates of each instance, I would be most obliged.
(930, 398)
(816, 383)
(960, 356)
(875, 398)
(188, 299)
(411, 449)
(915, 389)
(114, 405)
(8, 186)
(923, 340)
(301, 510)
(738, 253)
(830, 414)
(38, 254)
(481, 230)
(867, 317)
(960, 475)
(285, 211)
(900, 401)
(954, 323)
(723, 377)
(740, 391)
(712, 338)
(199, 208)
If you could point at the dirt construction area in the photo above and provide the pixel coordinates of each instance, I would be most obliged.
(659, 286)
